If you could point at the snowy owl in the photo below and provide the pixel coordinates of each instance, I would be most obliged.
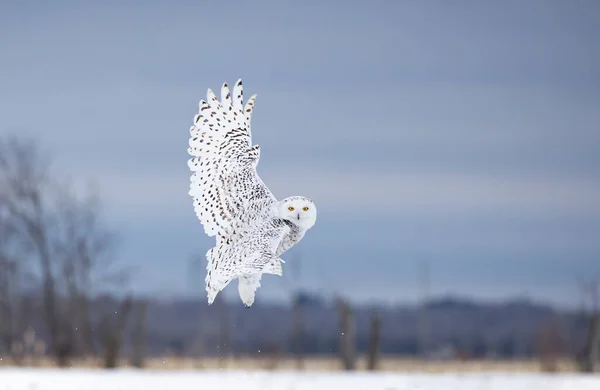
(251, 227)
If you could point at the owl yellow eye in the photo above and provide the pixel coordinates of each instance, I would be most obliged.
(304, 208)
(291, 208)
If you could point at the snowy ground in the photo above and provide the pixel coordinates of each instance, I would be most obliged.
(29, 379)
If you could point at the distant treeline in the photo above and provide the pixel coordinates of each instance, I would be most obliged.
(471, 330)
(506, 330)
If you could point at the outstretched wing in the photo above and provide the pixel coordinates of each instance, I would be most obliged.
(228, 194)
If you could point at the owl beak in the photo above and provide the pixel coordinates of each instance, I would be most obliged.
(298, 215)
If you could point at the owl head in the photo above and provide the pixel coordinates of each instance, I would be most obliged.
(299, 210)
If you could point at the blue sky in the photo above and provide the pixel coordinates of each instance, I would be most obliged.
(464, 134)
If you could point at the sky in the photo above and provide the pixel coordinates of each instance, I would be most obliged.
(462, 137)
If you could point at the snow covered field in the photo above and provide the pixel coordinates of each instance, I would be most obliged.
(30, 379)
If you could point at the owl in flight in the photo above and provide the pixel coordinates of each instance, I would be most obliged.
(251, 227)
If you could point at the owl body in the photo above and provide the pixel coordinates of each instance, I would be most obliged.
(251, 227)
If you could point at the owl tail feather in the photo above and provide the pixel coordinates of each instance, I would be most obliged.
(250, 269)
(265, 263)
(247, 286)
(215, 280)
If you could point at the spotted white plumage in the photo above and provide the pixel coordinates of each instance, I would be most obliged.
(251, 227)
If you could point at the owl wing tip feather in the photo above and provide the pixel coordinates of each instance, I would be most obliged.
(221, 144)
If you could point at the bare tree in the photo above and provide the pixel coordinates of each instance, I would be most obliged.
(112, 326)
(8, 277)
(374, 339)
(15, 307)
(17, 174)
(298, 332)
(590, 355)
(293, 283)
(63, 236)
(347, 336)
(139, 334)
(423, 320)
